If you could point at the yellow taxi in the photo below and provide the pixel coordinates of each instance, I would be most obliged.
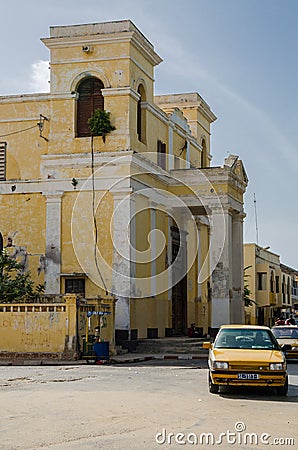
(287, 336)
(246, 355)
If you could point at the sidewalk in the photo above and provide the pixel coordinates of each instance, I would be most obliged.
(175, 348)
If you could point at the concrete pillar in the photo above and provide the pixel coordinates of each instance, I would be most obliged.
(71, 329)
(187, 155)
(123, 237)
(169, 256)
(153, 248)
(237, 304)
(171, 163)
(222, 274)
(53, 242)
(199, 259)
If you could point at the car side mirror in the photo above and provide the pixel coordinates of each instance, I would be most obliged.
(286, 347)
(207, 345)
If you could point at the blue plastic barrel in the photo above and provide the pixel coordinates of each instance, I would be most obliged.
(102, 350)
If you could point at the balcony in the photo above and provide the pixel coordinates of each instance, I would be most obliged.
(272, 298)
(295, 293)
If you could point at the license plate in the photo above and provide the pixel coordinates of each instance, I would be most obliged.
(248, 376)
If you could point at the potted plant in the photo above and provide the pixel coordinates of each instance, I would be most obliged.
(100, 123)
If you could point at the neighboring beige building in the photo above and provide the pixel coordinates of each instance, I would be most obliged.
(142, 216)
(270, 284)
(290, 291)
(295, 291)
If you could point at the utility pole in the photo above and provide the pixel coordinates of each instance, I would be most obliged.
(256, 219)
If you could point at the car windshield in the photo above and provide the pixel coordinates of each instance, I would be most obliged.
(285, 333)
(246, 338)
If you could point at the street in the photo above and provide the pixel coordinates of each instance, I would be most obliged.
(150, 405)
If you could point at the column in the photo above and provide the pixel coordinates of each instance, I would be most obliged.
(171, 163)
(237, 304)
(187, 155)
(53, 242)
(169, 256)
(71, 329)
(221, 261)
(199, 262)
(123, 235)
(153, 247)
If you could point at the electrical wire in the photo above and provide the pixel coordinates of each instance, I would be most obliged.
(20, 131)
(94, 215)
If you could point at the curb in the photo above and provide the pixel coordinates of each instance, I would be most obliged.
(113, 360)
(131, 360)
(158, 357)
(42, 362)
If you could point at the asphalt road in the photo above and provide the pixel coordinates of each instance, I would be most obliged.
(140, 406)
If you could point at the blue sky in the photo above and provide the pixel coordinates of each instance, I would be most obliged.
(240, 55)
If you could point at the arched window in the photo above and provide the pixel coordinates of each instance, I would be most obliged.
(141, 115)
(204, 154)
(272, 282)
(283, 289)
(289, 290)
(90, 99)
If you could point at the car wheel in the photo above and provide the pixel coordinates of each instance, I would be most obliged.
(213, 388)
(283, 390)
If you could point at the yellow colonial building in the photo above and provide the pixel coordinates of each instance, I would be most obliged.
(271, 285)
(140, 215)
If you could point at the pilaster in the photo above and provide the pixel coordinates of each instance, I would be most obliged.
(237, 312)
(153, 247)
(53, 241)
(122, 286)
(222, 273)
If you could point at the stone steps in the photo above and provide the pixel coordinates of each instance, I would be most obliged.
(120, 350)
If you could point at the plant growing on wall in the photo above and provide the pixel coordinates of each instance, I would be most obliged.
(16, 286)
(246, 291)
(100, 123)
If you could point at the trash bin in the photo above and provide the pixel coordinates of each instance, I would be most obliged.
(102, 350)
(88, 345)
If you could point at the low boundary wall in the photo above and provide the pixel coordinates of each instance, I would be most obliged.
(51, 329)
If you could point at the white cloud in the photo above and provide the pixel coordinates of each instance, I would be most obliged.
(39, 77)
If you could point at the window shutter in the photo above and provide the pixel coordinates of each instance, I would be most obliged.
(90, 99)
(3, 161)
(75, 286)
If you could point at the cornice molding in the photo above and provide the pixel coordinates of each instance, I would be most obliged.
(37, 97)
(110, 92)
(99, 39)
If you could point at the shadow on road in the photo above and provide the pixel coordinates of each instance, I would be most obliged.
(262, 394)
